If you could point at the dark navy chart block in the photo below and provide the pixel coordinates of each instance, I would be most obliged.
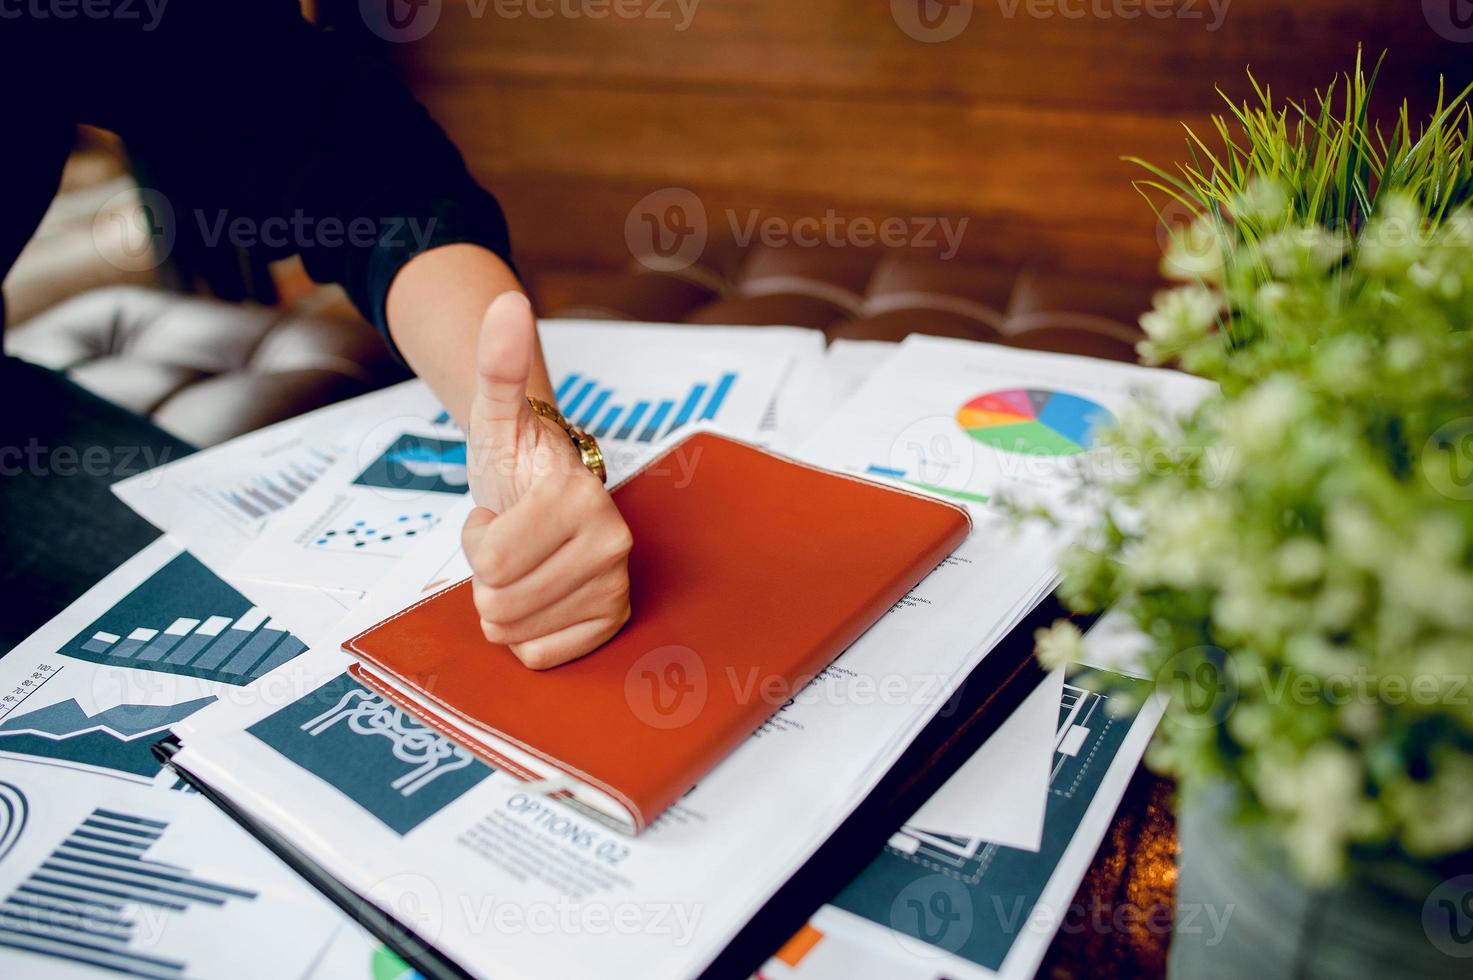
(184, 619)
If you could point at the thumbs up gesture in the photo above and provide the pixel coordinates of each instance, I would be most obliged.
(548, 548)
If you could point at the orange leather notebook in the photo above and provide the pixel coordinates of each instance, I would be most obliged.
(750, 573)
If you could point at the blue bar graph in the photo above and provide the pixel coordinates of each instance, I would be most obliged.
(593, 406)
(689, 407)
(635, 414)
(662, 410)
(719, 396)
(610, 418)
(598, 403)
(576, 400)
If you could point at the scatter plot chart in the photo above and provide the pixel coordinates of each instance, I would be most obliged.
(378, 534)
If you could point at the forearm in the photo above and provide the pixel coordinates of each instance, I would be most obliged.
(434, 308)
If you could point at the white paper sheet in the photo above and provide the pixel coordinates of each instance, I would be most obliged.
(986, 911)
(967, 421)
(217, 501)
(636, 387)
(485, 848)
(819, 382)
(103, 846)
(82, 701)
(1000, 793)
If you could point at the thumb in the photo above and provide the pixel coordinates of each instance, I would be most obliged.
(503, 365)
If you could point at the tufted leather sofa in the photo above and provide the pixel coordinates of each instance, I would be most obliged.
(206, 370)
(869, 294)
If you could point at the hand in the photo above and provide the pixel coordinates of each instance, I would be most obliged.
(548, 548)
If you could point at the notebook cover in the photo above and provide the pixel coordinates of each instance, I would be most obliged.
(750, 573)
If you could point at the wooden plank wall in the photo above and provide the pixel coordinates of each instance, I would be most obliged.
(795, 107)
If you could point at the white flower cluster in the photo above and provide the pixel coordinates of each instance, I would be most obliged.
(1316, 592)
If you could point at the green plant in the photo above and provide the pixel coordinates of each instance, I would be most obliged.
(1300, 552)
(1295, 183)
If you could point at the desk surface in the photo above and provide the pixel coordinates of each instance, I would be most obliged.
(1120, 922)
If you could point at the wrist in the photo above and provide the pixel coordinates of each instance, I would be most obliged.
(586, 446)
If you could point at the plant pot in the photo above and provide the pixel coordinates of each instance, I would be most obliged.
(1241, 914)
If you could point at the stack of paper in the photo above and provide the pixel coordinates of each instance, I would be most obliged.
(952, 902)
(337, 519)
(105, 860)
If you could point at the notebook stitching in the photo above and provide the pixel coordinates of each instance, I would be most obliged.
(926, 498)
(404, 704)
(634, 810)
(492, 757)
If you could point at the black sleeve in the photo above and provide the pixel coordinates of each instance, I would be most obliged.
(265, 132)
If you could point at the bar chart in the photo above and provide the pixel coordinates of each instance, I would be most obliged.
(186, 620)
(257, 497)
(96, 898)
(598, 408)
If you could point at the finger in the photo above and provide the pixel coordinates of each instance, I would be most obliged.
(473, 532)
(570, 643)
(572, 566)
(600, 597)
(503, 365)
(530, 531)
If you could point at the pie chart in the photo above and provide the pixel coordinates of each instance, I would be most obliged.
(1034, 421)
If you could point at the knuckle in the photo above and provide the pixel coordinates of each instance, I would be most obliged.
(614, 589)
(589, 489)
(485, 563)
(538, 656)
(491, 604)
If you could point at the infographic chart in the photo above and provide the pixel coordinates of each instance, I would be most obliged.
(94, 899)
(256, 496)
(119, 738)
(1034, 421)
(417, 462)
(400, 771)
(971, 897)
(186, 620)
(598, 408)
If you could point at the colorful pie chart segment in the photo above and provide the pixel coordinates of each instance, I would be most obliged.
(1034, 421)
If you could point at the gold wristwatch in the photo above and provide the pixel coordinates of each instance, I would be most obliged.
(587, 446)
